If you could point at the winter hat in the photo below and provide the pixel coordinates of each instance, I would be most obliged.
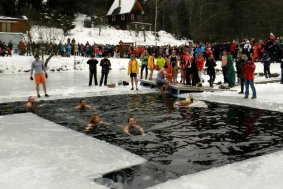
(132, 56)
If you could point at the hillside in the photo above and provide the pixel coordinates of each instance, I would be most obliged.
(109, 35)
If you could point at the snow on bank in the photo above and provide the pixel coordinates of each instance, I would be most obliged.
(108, 35)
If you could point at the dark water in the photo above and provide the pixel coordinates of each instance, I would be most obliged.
(177, 141)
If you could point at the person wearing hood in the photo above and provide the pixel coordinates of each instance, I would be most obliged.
(266, 65)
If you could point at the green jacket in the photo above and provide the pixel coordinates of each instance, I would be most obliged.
(144, 59)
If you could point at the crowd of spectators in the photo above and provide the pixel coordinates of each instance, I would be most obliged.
(254, 49)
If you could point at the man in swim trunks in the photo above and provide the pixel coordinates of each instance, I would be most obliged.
(133, 127)
(39, 74)
(161, 81)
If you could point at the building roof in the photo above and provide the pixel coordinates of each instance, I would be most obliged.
(125, 7)
(7, 18)
(11, 18)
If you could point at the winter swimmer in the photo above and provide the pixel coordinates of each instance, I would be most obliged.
(82, 105)
(40, 74)
(188, 101)
(132, 128)
(94, 122)
(31, 101)
(162, 83)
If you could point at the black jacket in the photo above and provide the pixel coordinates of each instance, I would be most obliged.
(105, 65)
(92, 64)
(210, 64)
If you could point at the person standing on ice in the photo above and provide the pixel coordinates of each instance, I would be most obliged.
(230, 70)
(92, 70)
(105, 67)
(151, 65)
(200, 65)
(40, 74)
(133, 71)
(224, 61)
(174, 65)
(144, 61)
(211, 64)
(249, 69)
(266, 65)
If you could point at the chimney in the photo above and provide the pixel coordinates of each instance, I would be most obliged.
(119, 3)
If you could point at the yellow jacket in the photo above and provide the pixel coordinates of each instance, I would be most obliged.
(133, 67)
(151, 62)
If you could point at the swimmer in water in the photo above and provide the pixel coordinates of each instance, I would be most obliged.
(82, 105)
(31, 101)
(132, 127)
(189, 100)
(95, 121)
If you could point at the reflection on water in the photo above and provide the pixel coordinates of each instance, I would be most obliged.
(177, 141)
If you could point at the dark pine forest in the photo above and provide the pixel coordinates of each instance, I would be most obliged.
(212, 20)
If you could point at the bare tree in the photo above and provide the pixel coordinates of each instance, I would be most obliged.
(49, 36)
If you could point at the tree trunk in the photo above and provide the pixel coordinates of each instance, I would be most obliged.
(47, 59)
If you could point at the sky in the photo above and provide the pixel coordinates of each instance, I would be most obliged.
(70, 82)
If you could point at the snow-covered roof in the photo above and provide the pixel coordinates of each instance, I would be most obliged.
(11, 18)
(7, 18)
(125, 7)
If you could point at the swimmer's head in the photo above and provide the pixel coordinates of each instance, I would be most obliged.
(82, 102)
(94, 119)
(31, 99)
(131, 121)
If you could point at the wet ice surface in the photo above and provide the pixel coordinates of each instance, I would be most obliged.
(36, 153)
(17, 87)
(264, 172)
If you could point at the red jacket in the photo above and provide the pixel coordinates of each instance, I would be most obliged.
(249, 69)
(200, 63)
(233, 47)
(208, 51)
(186, 61)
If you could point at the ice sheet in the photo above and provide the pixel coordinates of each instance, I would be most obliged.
(38, 154)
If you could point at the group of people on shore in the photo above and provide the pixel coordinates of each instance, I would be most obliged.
(189, 60)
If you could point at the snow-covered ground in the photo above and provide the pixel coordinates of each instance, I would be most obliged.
(108, 35)
(39, 154)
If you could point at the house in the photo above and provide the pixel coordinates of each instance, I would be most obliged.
(122, 13)
(13, 30)
(14, 25)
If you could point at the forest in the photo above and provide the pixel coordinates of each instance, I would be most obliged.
(200, 20)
